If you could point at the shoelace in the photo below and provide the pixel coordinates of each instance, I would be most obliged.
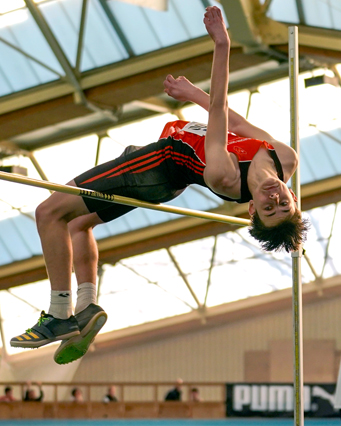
(41, 319)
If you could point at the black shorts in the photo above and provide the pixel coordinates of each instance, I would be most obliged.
(151, 173)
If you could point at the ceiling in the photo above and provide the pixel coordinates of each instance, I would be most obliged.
(72, 93)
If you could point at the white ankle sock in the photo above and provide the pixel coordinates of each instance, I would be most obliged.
(86, 294)
(61, 304)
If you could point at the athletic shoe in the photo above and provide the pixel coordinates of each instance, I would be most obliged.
(47, 330)
(90, 321)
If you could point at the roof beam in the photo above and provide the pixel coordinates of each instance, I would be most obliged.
(54, 45)
(111, 73)
(117, 27)
(118, 84)
(226, 313)
(112, 95)
(81, 36)
(242, 26)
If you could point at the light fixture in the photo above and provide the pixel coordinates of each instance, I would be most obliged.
(321, 79)
(7, 6)
(151, 4)
(14, 169)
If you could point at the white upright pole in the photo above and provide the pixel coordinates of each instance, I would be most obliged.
(297, 255)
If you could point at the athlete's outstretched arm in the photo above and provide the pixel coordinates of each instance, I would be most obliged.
(183, 90)
(221, 172)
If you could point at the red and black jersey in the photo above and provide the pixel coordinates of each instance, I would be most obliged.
(160, 171)
(245, 149)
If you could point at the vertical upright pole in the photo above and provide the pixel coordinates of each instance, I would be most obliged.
(297, 255)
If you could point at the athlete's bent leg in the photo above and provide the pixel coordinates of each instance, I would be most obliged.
(53, 216)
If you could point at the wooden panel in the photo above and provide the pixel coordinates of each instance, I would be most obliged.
(111, 410)
(10, 410)
(50, 410)
(257, 366)
(100, 410)
(142, 410)
(72, 410)
(32, 410)
(318, 361)
(281, 361)
(174, 410)
(208, 410)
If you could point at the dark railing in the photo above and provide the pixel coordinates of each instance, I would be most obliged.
(135, 400)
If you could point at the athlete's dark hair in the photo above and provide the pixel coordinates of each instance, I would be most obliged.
(288, 235)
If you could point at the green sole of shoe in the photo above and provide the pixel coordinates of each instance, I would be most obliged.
(76, 347)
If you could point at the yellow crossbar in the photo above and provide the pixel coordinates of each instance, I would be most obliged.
(74, 190)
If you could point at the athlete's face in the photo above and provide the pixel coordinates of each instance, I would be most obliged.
(273, 201)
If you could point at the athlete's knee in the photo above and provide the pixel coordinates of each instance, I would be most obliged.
(47, 213)
(41, 213)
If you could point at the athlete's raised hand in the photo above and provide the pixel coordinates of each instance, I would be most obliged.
(215, 26)
(178, 88)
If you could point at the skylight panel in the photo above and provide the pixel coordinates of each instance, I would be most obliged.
(30, 44)
(323, 13)
(135, 27)
(16, 69)
(168, 26)
(318, 158)
(284, 11)
(13, 241)
(101, 41)
(101, 44)
(148, 30)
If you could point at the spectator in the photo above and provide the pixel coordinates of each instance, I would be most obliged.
(30, 393)
(194, 395)
(175, 394)
(8, 397)
(77, 395)
(111, 395)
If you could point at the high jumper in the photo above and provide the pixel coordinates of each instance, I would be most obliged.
(234, 159)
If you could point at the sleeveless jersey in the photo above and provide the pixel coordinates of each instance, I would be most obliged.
(193, 134)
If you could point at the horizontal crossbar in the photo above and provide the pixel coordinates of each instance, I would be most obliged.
(74, 190)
